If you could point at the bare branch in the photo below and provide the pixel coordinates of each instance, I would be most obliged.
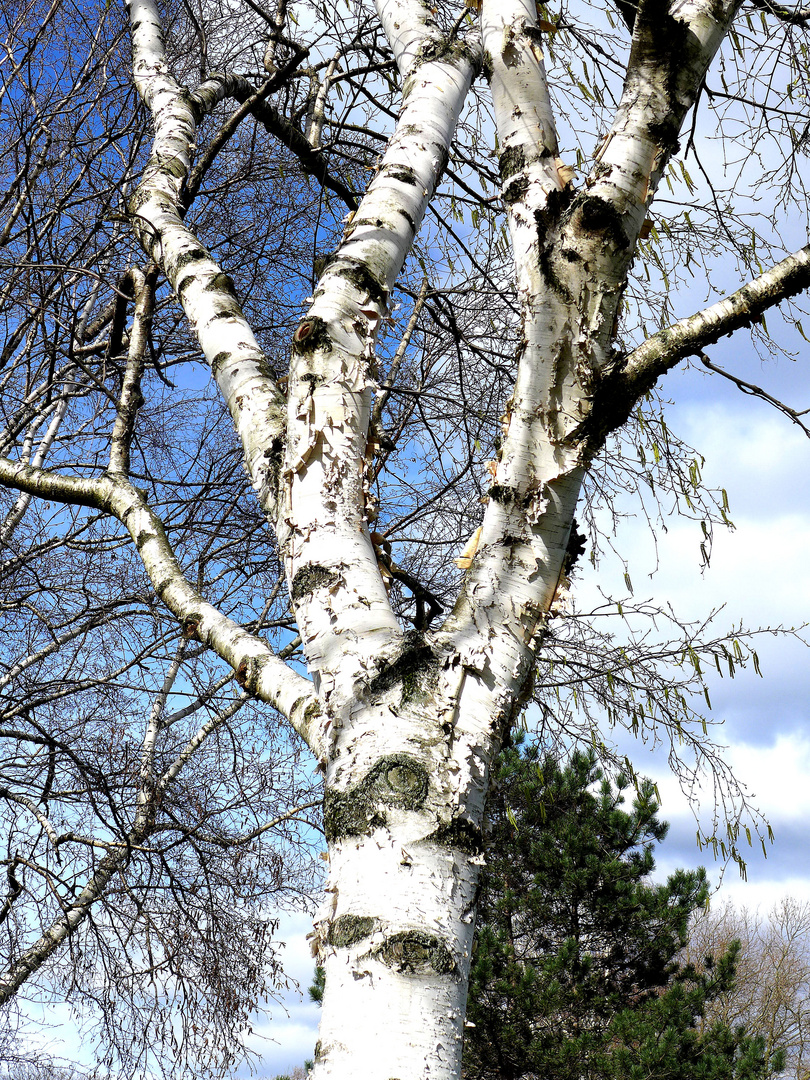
(756, 391)
(797, 17)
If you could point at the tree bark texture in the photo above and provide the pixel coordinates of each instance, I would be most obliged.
(405, 726)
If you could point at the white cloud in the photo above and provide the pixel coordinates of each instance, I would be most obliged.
(762, 896)
(760, 574)
(288, 1038)
(777, 780)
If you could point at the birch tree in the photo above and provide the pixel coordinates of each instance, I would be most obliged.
(179, 182)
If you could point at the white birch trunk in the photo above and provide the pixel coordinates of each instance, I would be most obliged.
(340, 599)
(395, 933)
(408, 768)
(207, 294)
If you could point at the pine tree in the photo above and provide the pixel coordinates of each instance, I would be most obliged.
(576, 970)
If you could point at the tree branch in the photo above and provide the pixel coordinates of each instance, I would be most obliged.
(130, 398)
(257, 667)
(237, 841)
(799, 17)
(340, 600)
(669, 57)
(692, 335)
(756, 391)
(312, 159)
(627, 379)
(207, 295)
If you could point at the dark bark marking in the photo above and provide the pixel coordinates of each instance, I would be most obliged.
(447, 48)
(232, 311)
(511, 161)
(403, 173)
(666, 46)
(504, 494)
(360, 276)
(413, 952)
(414, 668)
(222, 283)
(274, 455)
(396, 780)
(312, 334)
(600, 216)
(349, 929)
(408, 217)
(516, 190)
(459, 833)
(311, 577)
(220, 359)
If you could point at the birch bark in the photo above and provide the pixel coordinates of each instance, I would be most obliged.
(405, 726)
(404, 815)
(207, 294)
(396, 930)
(340, 598)
(412, 723)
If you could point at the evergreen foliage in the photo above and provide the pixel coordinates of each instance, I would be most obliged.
(576, 971)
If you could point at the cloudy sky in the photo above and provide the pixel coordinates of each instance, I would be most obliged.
(760, 571)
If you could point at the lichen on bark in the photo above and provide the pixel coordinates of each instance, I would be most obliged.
(311, 577)
(349, 929)
(415, 669)
(397, 781)
(414, 952)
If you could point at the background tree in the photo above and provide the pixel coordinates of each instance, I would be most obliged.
(771, 993)
(256, 271)
(577, 966)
